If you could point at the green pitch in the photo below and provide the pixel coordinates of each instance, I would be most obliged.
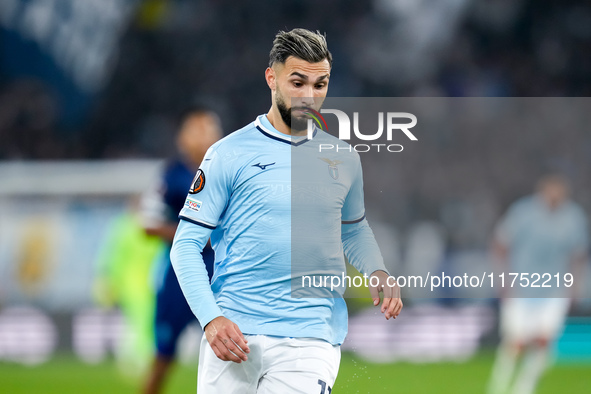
(66, 375)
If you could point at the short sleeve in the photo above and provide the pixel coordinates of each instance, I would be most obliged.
(353, 210)
(209, 192)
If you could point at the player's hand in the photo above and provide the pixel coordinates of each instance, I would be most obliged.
(392, 304)
(226, 340)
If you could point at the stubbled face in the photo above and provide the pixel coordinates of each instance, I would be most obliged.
(299, 85)
(197, 134)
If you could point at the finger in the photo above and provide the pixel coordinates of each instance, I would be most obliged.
(386, 306)
(235, 350)
(218, 354)
(388, 300)
(375, 295)
(399, 307)
(391, 312)
(240, 341)
(390, 290)
(227, 354)
(221, 351)
(395, 308)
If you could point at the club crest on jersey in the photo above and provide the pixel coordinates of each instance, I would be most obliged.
(333, 170)
(198, 182)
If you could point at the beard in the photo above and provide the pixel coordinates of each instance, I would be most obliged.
(295, 123)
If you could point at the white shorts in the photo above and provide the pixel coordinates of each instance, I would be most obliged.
(526, 319)
(275, 365)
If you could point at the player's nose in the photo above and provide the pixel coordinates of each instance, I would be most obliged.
(307, 100)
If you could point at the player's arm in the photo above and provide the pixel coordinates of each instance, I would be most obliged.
(499, 249)
(224, 336)
(189, 268)
(578, 265)
(153, 213)
(505, 232)
(580, 255)
(362, 251)
(204, 205)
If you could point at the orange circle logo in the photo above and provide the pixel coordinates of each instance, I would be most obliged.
(198, 182)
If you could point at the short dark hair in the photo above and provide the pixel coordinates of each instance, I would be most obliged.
(301, 43)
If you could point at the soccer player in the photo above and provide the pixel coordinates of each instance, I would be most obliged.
(542, 233)
(124, 266)
(259, 338)
(199, 129)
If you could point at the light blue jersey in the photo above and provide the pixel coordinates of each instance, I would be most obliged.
(541, 240)
(251, 201)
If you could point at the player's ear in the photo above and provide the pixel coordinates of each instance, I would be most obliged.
(270, 77)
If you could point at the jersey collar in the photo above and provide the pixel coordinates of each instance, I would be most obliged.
(264, 126)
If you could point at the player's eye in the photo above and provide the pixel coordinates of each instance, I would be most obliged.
(320, 85)
(297, 84)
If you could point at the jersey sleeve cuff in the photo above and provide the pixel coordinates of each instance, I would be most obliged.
(207, 316)
(383, 269)
(354, 220)
(201, 223)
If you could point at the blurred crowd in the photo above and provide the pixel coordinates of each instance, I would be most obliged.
(175, 51)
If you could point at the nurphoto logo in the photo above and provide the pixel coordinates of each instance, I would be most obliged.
(393, 127)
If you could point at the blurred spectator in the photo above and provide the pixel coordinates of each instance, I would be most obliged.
(28, 122)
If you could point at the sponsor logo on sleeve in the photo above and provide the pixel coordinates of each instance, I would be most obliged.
(194, 205)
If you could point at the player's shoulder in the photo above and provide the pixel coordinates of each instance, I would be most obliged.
(235, 138)
(523, 205)
(527, 201)
(231, 147)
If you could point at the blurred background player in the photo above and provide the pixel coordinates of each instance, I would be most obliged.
(199, 129)
(542, 233)
(123, 269)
